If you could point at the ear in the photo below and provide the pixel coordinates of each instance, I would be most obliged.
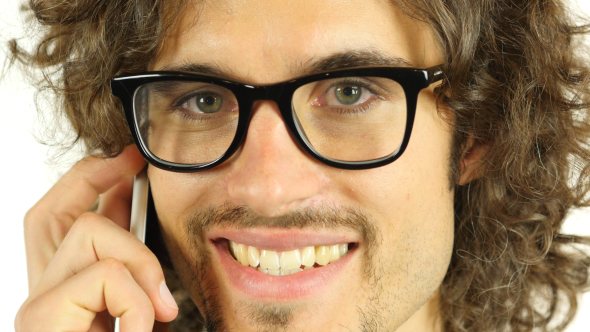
(471, 161)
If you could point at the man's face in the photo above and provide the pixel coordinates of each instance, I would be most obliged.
(396, 220)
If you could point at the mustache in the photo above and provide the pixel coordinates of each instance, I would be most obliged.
(242, 217)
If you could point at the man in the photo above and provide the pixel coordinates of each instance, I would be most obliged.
(297, 192)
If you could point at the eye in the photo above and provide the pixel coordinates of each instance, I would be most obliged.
(343, 94)
(204, 103)
(348, 94)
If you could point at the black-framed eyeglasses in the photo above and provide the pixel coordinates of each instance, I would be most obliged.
(356, 118)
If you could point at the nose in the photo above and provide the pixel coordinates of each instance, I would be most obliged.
(270, 174)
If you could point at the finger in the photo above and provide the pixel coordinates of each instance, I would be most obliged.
(115, 204)
(92, 238)
(47, 223)
(73, 304)
(79, 188)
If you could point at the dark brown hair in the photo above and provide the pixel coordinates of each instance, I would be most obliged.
(516, 84)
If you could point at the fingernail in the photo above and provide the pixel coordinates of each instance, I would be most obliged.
(167, 296)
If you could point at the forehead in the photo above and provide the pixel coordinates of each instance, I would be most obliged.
(265, 41)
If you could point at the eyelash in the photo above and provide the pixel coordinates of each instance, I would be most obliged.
(176, 106)
(359, 110)
(195, 117)
(353, 111)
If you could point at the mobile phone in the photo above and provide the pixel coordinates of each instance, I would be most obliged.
(139, 205)
(139, 211)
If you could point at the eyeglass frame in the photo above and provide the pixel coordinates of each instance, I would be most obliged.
(412, 81)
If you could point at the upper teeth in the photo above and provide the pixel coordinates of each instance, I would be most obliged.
(286, 262)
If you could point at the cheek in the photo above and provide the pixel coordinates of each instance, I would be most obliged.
(412, 204)
(422, 217)
(178, 195)
(422, 231)
(415, 187)
(415, 212)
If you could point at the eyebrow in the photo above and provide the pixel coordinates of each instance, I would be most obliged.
(340, 60)
(198, 68)
(351, 59)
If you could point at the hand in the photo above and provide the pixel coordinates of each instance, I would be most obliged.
(82, 264)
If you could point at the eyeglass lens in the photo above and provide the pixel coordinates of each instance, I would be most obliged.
(345, 119)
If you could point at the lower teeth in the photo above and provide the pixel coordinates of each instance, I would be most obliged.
(281, 272)
(284, 272)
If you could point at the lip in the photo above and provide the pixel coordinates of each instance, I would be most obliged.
(279, 239)
(260, 286)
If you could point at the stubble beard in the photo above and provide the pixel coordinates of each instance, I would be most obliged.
(277, 317)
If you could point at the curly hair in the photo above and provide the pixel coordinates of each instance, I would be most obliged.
(517, 84)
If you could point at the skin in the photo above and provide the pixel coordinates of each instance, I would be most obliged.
(261, 42)
(83, 263)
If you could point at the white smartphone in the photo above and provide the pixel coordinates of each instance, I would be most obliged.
(139, 204)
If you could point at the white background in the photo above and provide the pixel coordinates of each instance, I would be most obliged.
(24, 182)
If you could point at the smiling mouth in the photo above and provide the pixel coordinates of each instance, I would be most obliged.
(286, 263)
(273, 264)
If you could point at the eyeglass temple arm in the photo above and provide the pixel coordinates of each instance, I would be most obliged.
(435, 74)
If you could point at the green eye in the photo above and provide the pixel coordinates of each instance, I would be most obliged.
(209, 102)
(348, 94)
